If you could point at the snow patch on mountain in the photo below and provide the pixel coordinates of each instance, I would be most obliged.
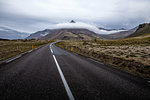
(44, 34)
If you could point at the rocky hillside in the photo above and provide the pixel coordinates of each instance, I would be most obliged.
(120, 35)
(39, 34)
(142, 29)
(69, 34)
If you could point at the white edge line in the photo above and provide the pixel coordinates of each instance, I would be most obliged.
(13, 59)
(30, 51)
(69, 93)
(95, 61)
(19, 56)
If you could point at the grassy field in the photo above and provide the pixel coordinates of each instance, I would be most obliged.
(131, 55)
(9, 48)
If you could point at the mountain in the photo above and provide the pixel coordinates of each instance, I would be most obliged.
(72, 21)
(79, 30)
(70, 34)
(6, 33)
(64, 34)
(72, 30)
(40, 34)
(142, 29)
(120, 35)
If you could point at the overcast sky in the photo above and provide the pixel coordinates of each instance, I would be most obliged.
(34, 15)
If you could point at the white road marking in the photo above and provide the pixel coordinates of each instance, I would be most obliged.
(51, 44)
(30, 51)
(95, 61)
(51, 48)
(13, 59)
(69, 93)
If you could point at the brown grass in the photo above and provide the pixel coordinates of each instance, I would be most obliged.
(9, 48)
(132, 55)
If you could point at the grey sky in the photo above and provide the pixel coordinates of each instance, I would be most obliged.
(34, 15)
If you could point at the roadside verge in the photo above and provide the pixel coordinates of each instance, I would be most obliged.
(6, 61)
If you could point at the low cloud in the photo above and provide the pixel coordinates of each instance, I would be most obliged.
(81, 25)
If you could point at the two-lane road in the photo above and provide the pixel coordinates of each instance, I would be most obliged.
(53, 73)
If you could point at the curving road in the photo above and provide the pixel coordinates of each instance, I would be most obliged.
(51, 73)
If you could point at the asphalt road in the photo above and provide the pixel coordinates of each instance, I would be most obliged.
(51, 73)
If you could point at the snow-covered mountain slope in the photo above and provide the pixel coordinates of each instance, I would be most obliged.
(40, 34)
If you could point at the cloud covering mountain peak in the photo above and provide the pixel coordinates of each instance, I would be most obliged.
(81, 25)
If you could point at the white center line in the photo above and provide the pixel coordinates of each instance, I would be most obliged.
(51, 48)
(69, 93)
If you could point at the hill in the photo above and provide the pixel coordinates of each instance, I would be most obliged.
(6, 33)
(120, 35)
(142, 29)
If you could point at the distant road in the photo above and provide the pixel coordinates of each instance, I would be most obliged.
(51, 73)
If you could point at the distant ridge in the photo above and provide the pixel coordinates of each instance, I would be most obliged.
(141, 30)
(6, 33)
(120, 35)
